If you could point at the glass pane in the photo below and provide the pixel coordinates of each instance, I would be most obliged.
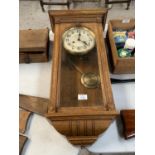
(78, 72)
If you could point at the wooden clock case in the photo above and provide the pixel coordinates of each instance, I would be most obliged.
(80, 120)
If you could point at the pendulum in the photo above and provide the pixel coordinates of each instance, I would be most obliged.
(90, 80)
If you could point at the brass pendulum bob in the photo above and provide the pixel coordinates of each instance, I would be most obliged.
(90, 80)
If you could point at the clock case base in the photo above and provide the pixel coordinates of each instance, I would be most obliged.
(80, 122)
(80, 128)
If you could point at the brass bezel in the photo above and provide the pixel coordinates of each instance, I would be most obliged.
(73, 52)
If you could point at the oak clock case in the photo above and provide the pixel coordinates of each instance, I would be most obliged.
(81, 103)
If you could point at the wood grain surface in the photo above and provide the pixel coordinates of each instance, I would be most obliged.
(25, 57)
(33, 40)
(33, 104)
(78, 16)
(33, 45)
(23, 120)
(128, 119)
(22, 141)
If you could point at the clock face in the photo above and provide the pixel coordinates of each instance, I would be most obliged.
(78, 40)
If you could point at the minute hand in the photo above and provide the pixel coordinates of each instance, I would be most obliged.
(79, 37)
(84, 42)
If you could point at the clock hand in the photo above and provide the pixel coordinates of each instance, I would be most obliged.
(84, 42)
(81, 40)
(79, 36)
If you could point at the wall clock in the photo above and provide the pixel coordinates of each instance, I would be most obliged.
(81, 103)
(78, 40)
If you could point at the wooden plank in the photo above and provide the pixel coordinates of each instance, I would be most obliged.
(34, 104)
(22, 141)
(23, 119)
(128, 118)
(33, 40)
(33, 45)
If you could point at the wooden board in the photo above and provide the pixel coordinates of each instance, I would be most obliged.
(23, 120)
(33, 40)
(128, 119)
(22, 141)
(25, 57)
(34, 104)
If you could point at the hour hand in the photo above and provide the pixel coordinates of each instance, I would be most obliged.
(85, 42)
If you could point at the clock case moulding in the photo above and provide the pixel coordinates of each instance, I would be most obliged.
(81, 121)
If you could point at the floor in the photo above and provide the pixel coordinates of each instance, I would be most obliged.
(31, 16)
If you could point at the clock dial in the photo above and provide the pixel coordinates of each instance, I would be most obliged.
(78, 40)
